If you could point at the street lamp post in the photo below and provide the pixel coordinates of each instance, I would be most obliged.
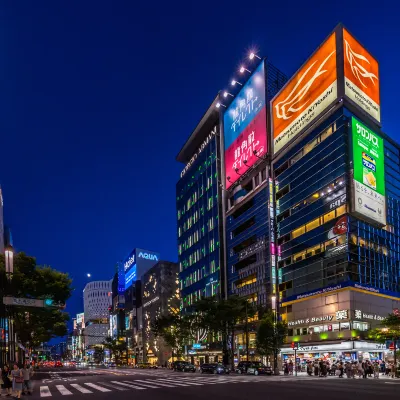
(9, 264)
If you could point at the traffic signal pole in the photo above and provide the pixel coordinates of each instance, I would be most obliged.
(295, 361)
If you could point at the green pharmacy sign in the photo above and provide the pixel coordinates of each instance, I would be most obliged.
(369, 200)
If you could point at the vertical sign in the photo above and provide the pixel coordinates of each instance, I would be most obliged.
(245, 127)
(369, 200)
(361, 76)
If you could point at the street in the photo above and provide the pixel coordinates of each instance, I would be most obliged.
(104, 383)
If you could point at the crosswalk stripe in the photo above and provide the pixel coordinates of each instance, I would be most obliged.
(63, 390)
(97, 387)
(45, 391)
(80, 388)
(179, 383)
(146, 384)
(113, 386)
(130, 386)
(152, 382)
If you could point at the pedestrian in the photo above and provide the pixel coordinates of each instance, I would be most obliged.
(365, 369)
(286, 369)
(360, 370)
(5, 376)
(383, 367)
(28, 373)
(309, 368)
(324, 370)
(376, 370)
(354, 370)
(18, 380)
(392, 370)
(316, 368)
(348, 370)
(341, 370)
(290, 367)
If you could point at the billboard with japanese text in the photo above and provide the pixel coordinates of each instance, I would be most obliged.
(369, 194)
(245, 127)
(306, 95)
(361, 76)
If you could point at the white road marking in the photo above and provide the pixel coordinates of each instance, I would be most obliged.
(139, 381)
(131, 386)
(177, 382)
(97, 387)
(113, 386)
(63, 390)
(45, 391)
(80, 388)
(147, 384)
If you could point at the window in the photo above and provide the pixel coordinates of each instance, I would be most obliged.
(341, 210)
(329, 216)
(297, 232)
(312, 225)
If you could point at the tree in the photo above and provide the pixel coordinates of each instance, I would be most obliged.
(175, 329)
(116, 347)
(37, 325)
(225, 317)
(270, 336)
(389, 331)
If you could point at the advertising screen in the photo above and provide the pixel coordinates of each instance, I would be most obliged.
(361, 76)
(245, 127)
(307, 94)
(369, 174)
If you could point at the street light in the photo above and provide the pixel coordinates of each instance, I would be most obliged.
(233, 83)
(252, 55)
(89, 275)
(242, 69)
(226, 94)
(218, 105)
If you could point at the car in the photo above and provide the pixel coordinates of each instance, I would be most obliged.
(179, 365)
(214, 368)
(111, 365)
(258, 368)
(186, 367)
(242, 367)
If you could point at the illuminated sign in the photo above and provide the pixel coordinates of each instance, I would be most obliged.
(151, 301)
(148, 256)
(128, 263)
(310, 91)
(130, 277)
(369, 199)
(199, 150)
(80, 318)
(358, 314)
(361, 76)
(245, 127)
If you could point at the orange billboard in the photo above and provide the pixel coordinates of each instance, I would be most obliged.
(307, 94)
(361, 76)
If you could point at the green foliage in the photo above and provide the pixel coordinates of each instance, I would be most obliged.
(116, 346)
(390, 329)
(270, 335)
(37, 325)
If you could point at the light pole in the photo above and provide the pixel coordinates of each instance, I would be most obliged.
(9, 264)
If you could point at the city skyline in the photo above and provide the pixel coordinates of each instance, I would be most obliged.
(78, 200)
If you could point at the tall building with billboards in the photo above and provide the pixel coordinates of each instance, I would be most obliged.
(248, 229)
(199, 209)
(336, 187)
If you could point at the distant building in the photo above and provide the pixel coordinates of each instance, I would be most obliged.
(160, 296)
(97, 300)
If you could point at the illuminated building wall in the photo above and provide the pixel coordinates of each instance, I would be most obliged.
(198, 203)
(160, 296)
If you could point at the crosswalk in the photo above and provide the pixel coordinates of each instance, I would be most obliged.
(140, 384)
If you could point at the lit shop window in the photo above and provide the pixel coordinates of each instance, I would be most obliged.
(211, 224)
(248, 281)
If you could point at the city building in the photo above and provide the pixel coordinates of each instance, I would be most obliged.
(76, 344)
(337, 191)
(200, 223)
(96, 300)
(126, 310)
(250, 272)
(160, 297)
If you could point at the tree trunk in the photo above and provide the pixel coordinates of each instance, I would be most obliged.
(232, 355)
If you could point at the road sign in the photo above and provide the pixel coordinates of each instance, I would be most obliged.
(21, 301)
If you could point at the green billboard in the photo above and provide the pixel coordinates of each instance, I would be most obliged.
(369, 173)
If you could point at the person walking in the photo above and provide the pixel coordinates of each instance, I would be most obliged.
(27, 373)
(316, 368)
(376, 370)
(290, 367)
(365, 369)
(360, 370)
(392, 370)
(348, 370)
(5, 376)
(354, 369)
(341, 370)
(18, 380)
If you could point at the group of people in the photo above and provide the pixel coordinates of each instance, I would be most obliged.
(16, 380)
(353, 369)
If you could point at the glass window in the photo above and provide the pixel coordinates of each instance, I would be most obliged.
(326, 133)
(329, 216)
(312, 225)
(297, 232)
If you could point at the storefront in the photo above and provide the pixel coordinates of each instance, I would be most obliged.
(343, 351)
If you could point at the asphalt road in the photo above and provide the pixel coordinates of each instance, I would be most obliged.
(168, 385)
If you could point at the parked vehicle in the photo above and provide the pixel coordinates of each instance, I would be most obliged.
(258, 368)
(214, 368)
(185, 366)
(242, 367)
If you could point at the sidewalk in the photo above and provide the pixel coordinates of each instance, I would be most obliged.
(304, 375)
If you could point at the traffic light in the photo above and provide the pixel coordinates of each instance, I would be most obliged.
(295, 345)
(48, 302)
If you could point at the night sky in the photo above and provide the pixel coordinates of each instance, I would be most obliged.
(98, 97)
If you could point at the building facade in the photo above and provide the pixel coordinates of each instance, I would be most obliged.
(336, 191)
(160, 297)
(96, 301)
(199, 213)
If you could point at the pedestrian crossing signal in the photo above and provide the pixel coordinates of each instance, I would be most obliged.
(295, 345)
